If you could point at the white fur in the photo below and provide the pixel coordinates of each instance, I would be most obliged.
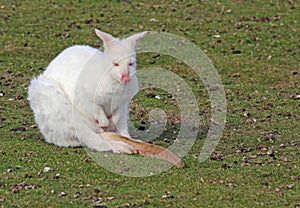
(83, 85)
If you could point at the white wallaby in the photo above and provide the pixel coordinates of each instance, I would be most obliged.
(82, 98)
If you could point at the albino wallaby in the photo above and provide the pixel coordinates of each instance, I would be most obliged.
(82, 98)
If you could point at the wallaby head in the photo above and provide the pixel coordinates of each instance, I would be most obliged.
(121, 54)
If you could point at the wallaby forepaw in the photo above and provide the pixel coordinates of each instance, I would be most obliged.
(103, 127)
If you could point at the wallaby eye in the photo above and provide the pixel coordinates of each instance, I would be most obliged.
(116, 64)
(131, 64)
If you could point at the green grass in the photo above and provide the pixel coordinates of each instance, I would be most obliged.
(254, 45)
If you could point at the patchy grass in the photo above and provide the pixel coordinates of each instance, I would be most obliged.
(255, 48)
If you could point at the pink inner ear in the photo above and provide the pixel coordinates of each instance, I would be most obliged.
(106, 38)
(133, 40)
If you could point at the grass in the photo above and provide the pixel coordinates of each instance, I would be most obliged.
(254, 45)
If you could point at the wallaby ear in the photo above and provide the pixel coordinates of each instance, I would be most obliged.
(133, 40)
(105, 37)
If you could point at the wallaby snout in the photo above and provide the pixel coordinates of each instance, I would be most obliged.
(125, 78)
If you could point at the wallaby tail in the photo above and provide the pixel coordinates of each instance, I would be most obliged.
(146, 149)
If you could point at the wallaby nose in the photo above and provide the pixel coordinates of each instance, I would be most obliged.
(125, 78)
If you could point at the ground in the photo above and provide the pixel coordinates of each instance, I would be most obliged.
(254, 46)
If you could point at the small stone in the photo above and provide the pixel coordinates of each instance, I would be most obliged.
(21, 128)
(216, 36)
(236, 51)
(280, 193)
(167, 195)
(246, 114)
(152, 62)
(16, 190)
(57, 175)
(62, 194)
(293, 178)
(297, 96)
(231, 185)
(29, 187)
(150, 95)
(217, 156)
(47, 169)
(225, 166)
(188, 18)
(271, 153)
(229, 198)
(77, 194)
(66, 35)
(285, 159)
(150, 196)
(9, 170)
(156, 56)
(153, 20)
(214, 88)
